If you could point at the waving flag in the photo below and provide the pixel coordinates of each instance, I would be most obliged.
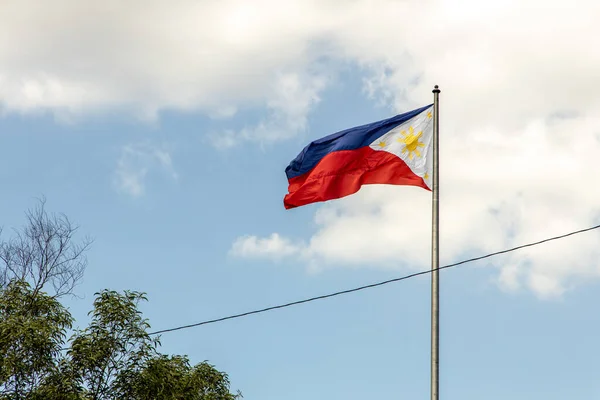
(394, 151)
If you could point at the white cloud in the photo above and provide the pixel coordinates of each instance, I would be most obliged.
(214, 56)
(531, 57)
(76, 57)
(134, 163)
(273, 246)
(519, 126)
(293, 98)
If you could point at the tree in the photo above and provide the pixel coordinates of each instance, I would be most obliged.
(44, 252)
(33, 328)
(113, 358)
(165, 377)
(115, 346)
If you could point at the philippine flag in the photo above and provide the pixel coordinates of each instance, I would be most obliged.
(394, 151)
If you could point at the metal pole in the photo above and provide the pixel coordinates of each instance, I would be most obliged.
(435, 256)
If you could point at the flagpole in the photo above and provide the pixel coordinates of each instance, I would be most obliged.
(435, 256)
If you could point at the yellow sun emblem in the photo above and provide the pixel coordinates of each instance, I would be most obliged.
(411, 143)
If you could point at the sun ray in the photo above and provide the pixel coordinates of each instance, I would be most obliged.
(411, 142)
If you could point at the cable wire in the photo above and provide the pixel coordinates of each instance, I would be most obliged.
(402, 278)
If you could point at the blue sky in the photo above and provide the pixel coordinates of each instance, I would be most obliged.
(167, 143)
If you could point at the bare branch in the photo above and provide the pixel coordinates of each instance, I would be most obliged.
(44, 253)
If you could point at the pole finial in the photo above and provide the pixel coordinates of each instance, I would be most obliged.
(436, 89)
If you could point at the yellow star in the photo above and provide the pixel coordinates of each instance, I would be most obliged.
(426, 176)
(381, 144)
(429, 114)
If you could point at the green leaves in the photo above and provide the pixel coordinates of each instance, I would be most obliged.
(113, 358)
(115, 343)
(32, 332)
(166, 378)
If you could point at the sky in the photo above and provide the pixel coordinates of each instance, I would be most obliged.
(163, 129)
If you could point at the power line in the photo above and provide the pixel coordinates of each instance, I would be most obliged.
(262, 310)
